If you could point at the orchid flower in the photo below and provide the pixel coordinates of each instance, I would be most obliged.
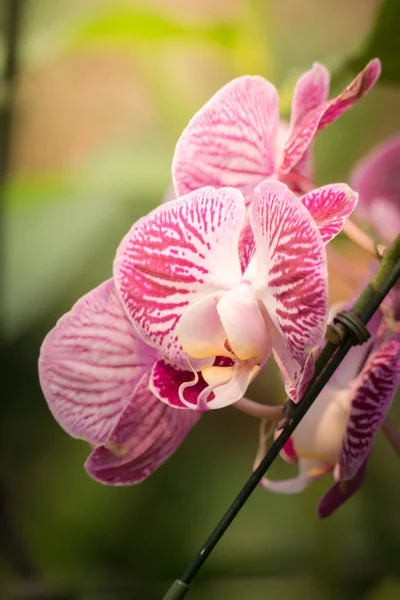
(208, 309)
(185, 323)
(94, 372)
(377, 179)
(337, 433)
(237, 139)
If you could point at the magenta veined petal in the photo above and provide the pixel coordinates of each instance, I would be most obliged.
(311, 90)
(340, 492)
(90, 363)
(371, 401)
(291, 278)
(168, 384)
(231, 140)
(146, 434)
(182, 251)
(315, 120)
(330, 206)
(377, 179)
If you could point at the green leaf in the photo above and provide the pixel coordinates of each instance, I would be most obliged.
(382, 42)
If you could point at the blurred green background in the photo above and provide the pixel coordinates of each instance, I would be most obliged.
(104, 89)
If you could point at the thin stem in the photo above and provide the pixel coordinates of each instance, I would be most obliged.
(392, 434)
(259, 411)
(359, 237)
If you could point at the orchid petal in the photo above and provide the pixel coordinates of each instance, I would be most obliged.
(200, 331)
(288, 453)
(166, 382)
(169, 260)
(228, 391)
(340, 492)
(311, 90)
(247, 245)
(313, 121)
(90, 363)
(309, 471)
(291, 279)
(244, 325)
(145, 436)
(330, 206)
(372, 396)
(377, 179)
(230, 141)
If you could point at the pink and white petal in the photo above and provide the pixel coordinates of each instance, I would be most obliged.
(330, 206)
(231, 140)
(244, 325)
(377, 179)
(372, 396)
(309, 471)
(288, 453)
(147, 433)
(227, 384)
(247, 245)
(168, 384)
(90, 363)
(316, 119)
(291, 278)
(377, 175)
(311, 90)
(172, 258)
(340, 492)
(200, 331)
(385, 218)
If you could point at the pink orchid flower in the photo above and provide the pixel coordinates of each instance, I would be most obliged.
(208, 310)
(338, 431)
(377, 179)
(237, 139)
(185, 323)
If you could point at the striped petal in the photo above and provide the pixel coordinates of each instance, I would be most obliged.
(311, 90)
(316, 119)
(231, 140)
(330, 206)
(145, 436)
(291, 277)
(371, 400)
(90, 364)
(340, 492)
(175, 256)
(170, 385)
(377, 179)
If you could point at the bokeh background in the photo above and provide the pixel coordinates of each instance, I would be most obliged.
(102, 91)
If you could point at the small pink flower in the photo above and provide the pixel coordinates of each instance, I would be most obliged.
(377, 179)
(190, 317)
(337, 433)
(237, 140)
